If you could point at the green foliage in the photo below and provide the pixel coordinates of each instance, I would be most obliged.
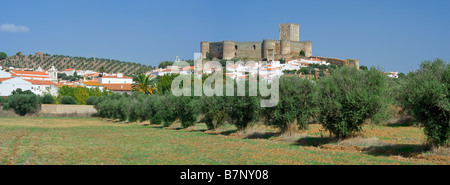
(164, 83)
(80, 94)
(214, 110)
(22, 103)
(164, 64)
(169, 109)
(47, 99)
(348, 97)
(3, 55)
(242, 110)
(209, 56)
(363, 68)
(295, 107)
(92, 100)
(68, 100)
(426, 96)
(188, 110)
(302, 53)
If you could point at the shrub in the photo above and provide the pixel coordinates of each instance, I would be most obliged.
(93, 100)
(426, 96)
(242, 110)
(47, 99)
(169, 108)
(68, 100)
(295, 106)
(23, 103)
(214, 110)
(3, 55)
(188, 110)
(348, 97)
(153, 104)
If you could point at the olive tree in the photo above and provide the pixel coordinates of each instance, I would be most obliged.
(349, 96)
(295, 106)
(426, 97)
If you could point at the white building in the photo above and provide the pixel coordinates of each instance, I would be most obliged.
(8, 85)
(115, 79)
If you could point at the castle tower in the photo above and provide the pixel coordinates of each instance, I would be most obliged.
(204, 48)
(229, 50)
(289, 31)
(285, 47)
(268, 48)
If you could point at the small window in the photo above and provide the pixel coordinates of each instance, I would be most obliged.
(254, 47)
(236, 47)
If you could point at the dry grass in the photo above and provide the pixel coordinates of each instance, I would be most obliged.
(94, 141)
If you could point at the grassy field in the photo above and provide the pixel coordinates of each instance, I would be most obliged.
(94, 141)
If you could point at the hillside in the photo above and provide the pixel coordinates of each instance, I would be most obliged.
(62, 62)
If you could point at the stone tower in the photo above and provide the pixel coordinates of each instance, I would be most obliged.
(290, 32)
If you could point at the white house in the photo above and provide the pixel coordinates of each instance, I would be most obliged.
(115, 79)
(41, 87)
(4, 74)
(8, 85)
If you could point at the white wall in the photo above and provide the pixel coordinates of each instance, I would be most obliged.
(106, 80)
(4, 74)
(8, 86)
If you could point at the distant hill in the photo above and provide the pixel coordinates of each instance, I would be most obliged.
(61, 62)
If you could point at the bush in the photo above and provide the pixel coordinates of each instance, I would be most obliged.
(22, 103)
(348, 97)
(214, 110)
(47, 99)
(3, 55)
(68, 100)
(426, 96)
(153, 104)
(242, 110)
(169, 109)
(188, 110)
(93, 100)
(295, 106)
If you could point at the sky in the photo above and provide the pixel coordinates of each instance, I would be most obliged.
(394, 35)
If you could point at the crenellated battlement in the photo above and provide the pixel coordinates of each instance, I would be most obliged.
(288, 46)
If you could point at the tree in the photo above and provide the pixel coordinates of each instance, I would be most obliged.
(426, 95)
(188, 110)
(302, 53)
(23, 103)
(363, 68)
(143, 84)
(47, 99)
(348, 97)
(68, 100)
(295, 107)
(214, 110)
(164, 64)
(3, 55)
(164, 83)
(242, 110)
(101, 70)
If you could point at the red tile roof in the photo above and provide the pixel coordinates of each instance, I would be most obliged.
(118, 87)
(4, 79)
(28, 72)
(41, 82)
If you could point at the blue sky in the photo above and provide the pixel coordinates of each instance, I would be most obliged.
(396, 35)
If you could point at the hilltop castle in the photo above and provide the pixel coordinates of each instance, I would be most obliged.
(288, 46)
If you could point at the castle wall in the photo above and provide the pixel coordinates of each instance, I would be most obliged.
(250, 50)
(297, 46)
(216, 49)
